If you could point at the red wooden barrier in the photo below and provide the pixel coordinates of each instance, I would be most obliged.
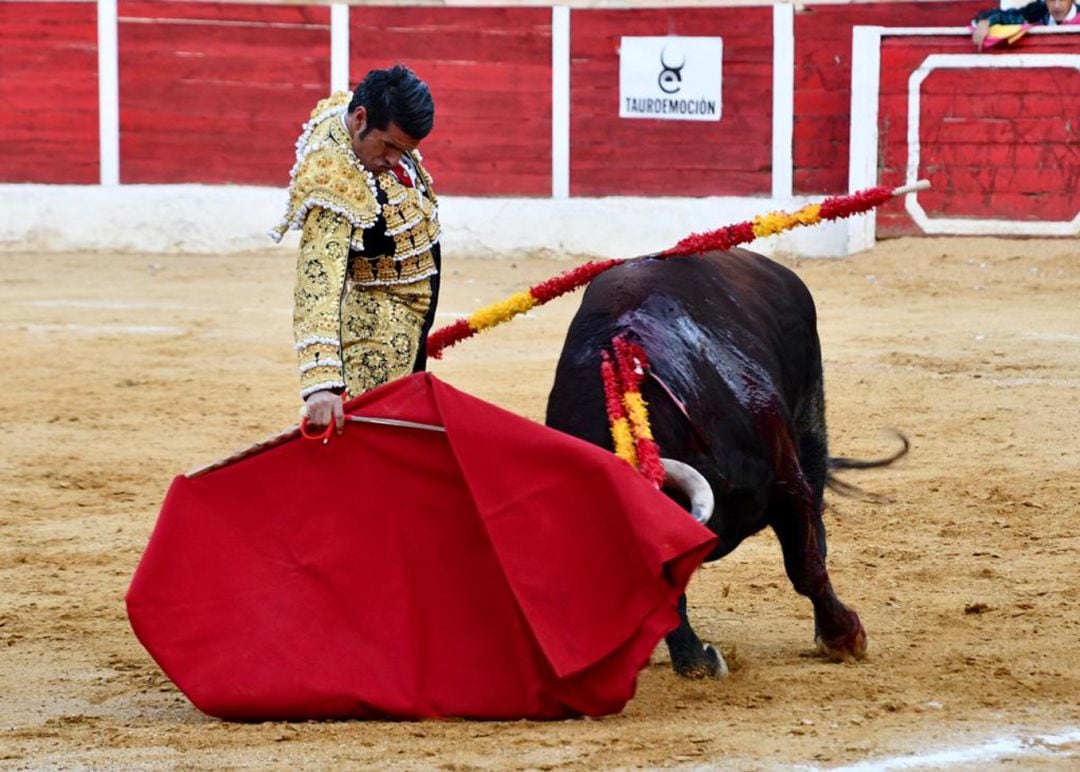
(1001, 143)
(48, 92)
(823, 78)
(489, 70)
(217, 92)
(614, 156)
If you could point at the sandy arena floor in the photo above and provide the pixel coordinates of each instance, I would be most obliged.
(121, 371)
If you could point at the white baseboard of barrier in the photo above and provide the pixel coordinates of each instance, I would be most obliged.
(228, 219)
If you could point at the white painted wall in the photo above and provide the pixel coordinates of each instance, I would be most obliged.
(226, 219)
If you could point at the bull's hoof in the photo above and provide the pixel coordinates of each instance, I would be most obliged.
(710, 664)
(846, 648)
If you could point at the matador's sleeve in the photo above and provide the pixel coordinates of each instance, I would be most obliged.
(320, 281)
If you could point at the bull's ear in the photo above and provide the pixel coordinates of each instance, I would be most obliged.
(691, 483)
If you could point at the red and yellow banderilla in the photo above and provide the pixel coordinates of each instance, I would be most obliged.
(834, 208)
(622, 372)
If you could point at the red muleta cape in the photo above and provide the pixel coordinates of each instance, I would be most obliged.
(499, 570)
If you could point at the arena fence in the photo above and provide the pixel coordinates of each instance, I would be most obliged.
(997, 135)
(168, 125)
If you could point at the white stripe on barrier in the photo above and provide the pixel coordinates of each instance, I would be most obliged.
(560, 102)
(339, 48)
(863, 147)
(783, 112)
(108, 93)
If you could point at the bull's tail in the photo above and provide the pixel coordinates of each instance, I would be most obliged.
(842, 462)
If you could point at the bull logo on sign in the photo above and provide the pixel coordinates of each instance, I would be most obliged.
(670, 79)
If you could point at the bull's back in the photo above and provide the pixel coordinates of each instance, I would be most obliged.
(725, 333)
(735, 315)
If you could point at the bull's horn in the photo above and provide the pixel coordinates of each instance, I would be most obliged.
(693, 484)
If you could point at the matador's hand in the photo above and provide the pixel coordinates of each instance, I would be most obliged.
(978, 35)
(324, 407)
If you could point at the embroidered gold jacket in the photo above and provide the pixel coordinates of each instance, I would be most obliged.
(357, 231)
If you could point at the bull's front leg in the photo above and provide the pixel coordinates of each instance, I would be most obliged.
(797, 522)
(689, 656)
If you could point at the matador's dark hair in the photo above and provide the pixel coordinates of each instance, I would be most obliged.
(395, 94)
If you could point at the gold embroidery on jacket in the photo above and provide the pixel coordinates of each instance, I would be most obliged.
(412, 223)
(381, 330)
(320, 279)
(327, 173)
(350, 335)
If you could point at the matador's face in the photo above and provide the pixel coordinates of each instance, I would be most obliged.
(379, 150)
(1059, 9)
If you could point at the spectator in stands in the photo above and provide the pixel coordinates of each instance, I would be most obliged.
(367, 277)
(1048, 12)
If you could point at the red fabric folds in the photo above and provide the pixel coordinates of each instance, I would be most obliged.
(499, 570)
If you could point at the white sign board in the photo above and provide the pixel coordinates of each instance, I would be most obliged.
(670, 78)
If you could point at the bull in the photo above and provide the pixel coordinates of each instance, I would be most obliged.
(735, 391)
